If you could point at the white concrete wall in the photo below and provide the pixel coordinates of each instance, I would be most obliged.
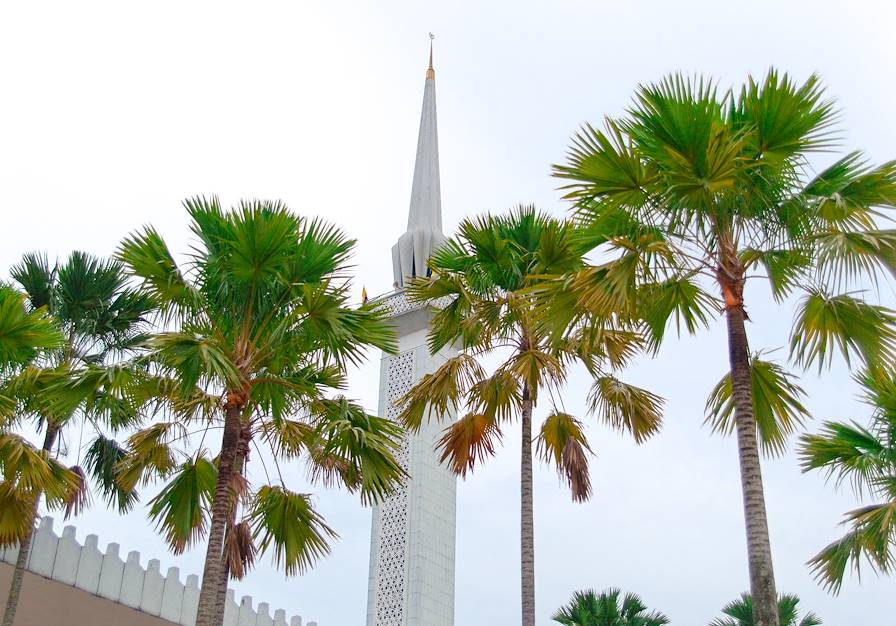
(411, 576)
(65, 560)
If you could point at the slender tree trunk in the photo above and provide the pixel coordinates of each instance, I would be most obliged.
(242, 454)
(759, 550)
(527, 533)
(221, 594)
(18, 573)
(211, 571)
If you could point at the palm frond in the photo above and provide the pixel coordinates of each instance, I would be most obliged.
(286, 521)
(361, 448)
(777, 405)
(845, 451)
(181, 509)
(102, 459)
(22, 332)
(79, 498)
(147, 257)
(871, 536)
(470, 440)
(436, 392)
(590, 608)
(680, 299)
(17, 513)
(239, 550)
(34, 471)
(562, 442)
(149, 455)
(784, 268)
(856, 328)
(626, 407)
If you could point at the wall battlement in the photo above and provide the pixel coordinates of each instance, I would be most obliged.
(126, 582)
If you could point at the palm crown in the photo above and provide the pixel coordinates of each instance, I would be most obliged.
(101, 319)
(489, 274)
(740, 613)
(485, 282)
(262, 332)
(589, 608)
(91, 374)
(697, 184)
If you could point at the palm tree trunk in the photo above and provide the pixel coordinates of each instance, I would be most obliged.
(242, 454)
(211, 571)
(18, 573)
(759, 551)
(221, 594)
(527, 533)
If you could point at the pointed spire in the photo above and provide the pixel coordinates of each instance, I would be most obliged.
(424, 234)
(430, 73)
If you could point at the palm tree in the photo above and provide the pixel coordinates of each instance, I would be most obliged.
(261, 331)
(697, 190)
(489, 273)
(26, 472)
(866, 457)
(589, 608)
(740, 613)
(101, 319)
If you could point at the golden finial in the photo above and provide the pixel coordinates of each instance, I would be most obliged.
(430, 73)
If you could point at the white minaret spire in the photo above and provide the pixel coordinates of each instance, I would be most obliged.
(412, 536)
(424, 233)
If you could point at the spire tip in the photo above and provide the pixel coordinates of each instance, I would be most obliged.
(430, 72)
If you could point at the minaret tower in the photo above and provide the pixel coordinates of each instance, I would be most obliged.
(412, 537)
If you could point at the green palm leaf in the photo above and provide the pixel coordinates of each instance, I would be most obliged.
(777, 405)
(359, 446)
(855, 328)
(590, 608)
(34, 472)
(626, 407)
(872, 535)
(180, 510)
(740, 612)
(16, 513)
(23, 333)
(149, 455)
(102, 459)
(286, 521)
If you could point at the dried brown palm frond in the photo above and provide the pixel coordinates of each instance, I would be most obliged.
(79, 498)
(239, 550)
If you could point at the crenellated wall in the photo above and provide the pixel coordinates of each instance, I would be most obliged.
(64, 560)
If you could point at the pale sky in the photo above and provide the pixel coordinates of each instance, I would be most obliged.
(112, 113)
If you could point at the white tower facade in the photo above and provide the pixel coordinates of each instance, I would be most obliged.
(412, 537)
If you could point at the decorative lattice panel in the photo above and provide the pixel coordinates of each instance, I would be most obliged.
(398, 303)
(392, 550)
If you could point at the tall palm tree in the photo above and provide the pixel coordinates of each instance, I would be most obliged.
(698, 191)
(489, 273)
(866, 457)
(589, 608)
(740, 613)
(101, 319)
(261, 331)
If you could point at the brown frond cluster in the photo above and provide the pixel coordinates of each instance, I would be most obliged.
(239, 550)
(471, 439)
(79, 498)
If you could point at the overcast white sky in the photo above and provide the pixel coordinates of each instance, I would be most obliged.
(111, 113)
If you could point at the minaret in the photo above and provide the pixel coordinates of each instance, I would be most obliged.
(412, 538)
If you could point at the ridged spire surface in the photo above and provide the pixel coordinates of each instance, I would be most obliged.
(424, 233)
